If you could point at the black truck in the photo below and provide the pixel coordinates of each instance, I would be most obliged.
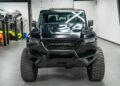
(62, 38)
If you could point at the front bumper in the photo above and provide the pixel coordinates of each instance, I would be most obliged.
(82, 56)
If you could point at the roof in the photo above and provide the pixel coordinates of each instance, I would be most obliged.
(65, 9)
(61, 10)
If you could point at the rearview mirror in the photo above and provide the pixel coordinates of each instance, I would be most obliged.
(90, 23)
(35, 33)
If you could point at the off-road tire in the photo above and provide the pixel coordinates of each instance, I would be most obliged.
(96, 70)
(28, 70)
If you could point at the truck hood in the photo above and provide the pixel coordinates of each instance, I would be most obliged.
(62, 30)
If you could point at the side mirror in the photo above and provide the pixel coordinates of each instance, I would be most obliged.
(33, 23)
(90, 23)
(35, 33)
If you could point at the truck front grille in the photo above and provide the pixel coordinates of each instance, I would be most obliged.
(59, 45)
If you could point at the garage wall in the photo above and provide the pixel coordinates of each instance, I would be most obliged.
(38, 5)
(107, 20)
(90, 9)
(88, 6)
(22, 7)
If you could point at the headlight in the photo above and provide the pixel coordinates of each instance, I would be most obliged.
(90, 40)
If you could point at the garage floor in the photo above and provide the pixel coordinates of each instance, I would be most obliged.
(10, 69)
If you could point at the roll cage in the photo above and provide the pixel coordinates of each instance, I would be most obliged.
(75, 12)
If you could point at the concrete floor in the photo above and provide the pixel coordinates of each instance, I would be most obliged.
(10, 69)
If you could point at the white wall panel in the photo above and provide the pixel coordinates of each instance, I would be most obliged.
(107, 20)
(38, 5)
(62, 3)
(88, 6)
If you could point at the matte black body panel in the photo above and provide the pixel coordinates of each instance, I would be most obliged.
(60, 45)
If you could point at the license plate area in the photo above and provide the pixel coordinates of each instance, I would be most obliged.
(61, 56)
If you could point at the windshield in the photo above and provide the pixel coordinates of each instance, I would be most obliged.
(57, 23)
(63, 17)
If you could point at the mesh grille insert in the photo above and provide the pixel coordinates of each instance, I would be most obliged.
(62, 44)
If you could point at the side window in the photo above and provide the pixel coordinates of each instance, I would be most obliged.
(39, 20)
(42, 19)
